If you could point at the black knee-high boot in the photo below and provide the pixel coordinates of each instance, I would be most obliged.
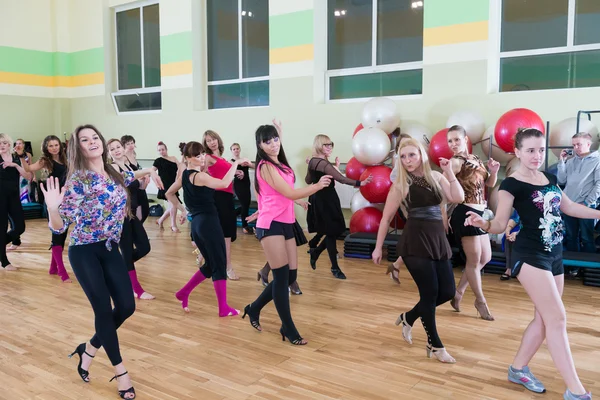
(281, 279)
(331, 243)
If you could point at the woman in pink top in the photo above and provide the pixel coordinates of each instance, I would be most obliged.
(274, 184)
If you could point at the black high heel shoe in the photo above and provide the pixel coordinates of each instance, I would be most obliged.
(122, 393)
(253, 321)
(80, 351)
(297, 342)
(313, 258)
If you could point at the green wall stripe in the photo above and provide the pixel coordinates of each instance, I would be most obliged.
(45, 63)
(454, 12)
(293, 29)
(176, 47)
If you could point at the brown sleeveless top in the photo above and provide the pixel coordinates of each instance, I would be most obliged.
(472, 177)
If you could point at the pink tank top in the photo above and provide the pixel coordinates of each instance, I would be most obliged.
(272, 205)
(219, 170)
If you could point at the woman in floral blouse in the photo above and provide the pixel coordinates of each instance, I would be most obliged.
(95, 201)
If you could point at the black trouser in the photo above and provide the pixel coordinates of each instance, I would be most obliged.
(103, 276)
(242, 191)
(134, 242)
(329, 243)
(17, 240)
(144, 203)
(435, 281)
(10, 205)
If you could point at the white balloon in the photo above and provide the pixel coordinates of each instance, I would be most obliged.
(358, 202)
(471, 121)
(381, 113)
(371, 146)
(417, 131)
(497, 153)
(562, 133)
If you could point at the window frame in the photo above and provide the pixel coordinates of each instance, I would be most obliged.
(369, 69)
(122, 92)
(240, 78)
(570, 47)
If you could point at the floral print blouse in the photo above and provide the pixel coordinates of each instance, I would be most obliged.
(96, 205)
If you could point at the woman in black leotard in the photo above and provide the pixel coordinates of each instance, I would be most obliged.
(143, 209)
(241, 186)
(423, 246)
(168, 167)
(537, 258)
(198, 194)
(324, 211)
(54, 162)
(134, 242)
(10, 171)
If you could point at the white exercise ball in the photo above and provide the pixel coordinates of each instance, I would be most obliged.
(358, 202)
(497, 153)
(371, 146)
(512, 166)
(381, 113)
(417, 131)
(562, 133)
(492, 203)
(472, 123)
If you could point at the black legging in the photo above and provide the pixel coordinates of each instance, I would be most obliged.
(144, 203)
(329, 243)
(208, 236)
(103, 276)
(134, 242)
(242, 191)
(16, 240)
(10, 205)
(435, 281)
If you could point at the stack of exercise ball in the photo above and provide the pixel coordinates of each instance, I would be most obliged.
(371, 146)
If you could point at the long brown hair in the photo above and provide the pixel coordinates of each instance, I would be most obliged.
(77, 162)
(46, 157)
(213, 135)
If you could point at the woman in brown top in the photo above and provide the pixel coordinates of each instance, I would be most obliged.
(423, 246)
(473, 176)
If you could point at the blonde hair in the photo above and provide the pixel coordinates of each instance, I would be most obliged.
(318, 143)
(4, 136)
(403, 180)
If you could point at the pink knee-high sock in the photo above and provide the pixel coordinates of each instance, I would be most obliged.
(135, 284)
(184, 292)
(53, 270)
(58, 259)
(221, 292)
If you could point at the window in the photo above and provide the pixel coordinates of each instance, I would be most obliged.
(138, 58)
(238, 53)
(549, 44)
(375, 48)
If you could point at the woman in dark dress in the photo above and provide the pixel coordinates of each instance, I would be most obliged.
(143, 209)
(423, 246)
(241, 186)
(167, 167)
(325, 214)
(54, 162)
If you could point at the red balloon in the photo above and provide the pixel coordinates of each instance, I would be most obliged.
(438, 147)
(354, 169)
(366, 220)
(397, 222)
(358, 128)
(377, 190)
(513, 120)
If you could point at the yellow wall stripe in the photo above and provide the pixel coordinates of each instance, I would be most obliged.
(176, 68)
(52, 81)
(303, 52)
(463, 33)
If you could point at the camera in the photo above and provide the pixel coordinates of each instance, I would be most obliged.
(569, 152)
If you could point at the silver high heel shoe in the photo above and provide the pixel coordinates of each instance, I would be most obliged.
(406, 328)
(441, 354)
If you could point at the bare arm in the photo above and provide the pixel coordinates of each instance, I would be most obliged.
(170, 193)
(453, 191)
(503, 213)
(270, 174)
(204, 179)
(33, 167)
(575, 210)
(492, 179)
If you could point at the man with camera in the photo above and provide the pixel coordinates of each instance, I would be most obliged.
(581, 173)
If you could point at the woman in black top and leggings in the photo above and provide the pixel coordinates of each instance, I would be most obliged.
(423, 246)
(143, 209)
(537, 259)
(241, 186)
(10, 172)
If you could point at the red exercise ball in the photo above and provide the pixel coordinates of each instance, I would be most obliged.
(358, 128)
(397, 222)
(377, 190)
(365, 220)
(354, 169)
(438, 147)
(513, 120)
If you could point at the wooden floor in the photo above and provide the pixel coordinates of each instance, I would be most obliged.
(355, 351)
